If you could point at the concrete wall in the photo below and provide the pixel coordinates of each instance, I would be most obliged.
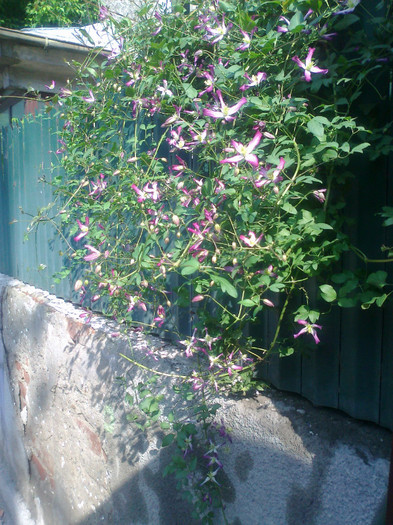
(69, 456)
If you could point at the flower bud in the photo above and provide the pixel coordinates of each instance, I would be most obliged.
(197, 298)
(168, 303)
(175, 220)
(234, 261)
(144, 283)
(86, 282)
(166, 240)
(234, 245)
(267, 302)
(217, 227)
(78, 285)
(214, 259)
(178, 235)
(97, 269)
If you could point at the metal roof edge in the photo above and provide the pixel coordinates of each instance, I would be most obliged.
(18, 36)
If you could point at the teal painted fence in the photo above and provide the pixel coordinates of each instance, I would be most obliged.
(27, 166)
(352, 368)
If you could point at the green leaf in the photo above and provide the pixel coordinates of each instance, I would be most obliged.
(329, 154)
(360, 147)
(189, 267)
(316, 128)
(248, 302)
(328, 293)
(168, 439)
(285, 352)
(190, 91)
(226, 286)
(165, 425)
(296, 23)
(377, 279)
(129, 399)
(289, 208)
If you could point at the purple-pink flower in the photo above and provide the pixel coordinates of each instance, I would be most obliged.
(254, 80)
(244, 152)
(308, 329)
(224, 112)
(93, 255)
(349, 7)
(217, 32)
(283, 29)
(134, 75)
(267, 177)
(160, 319)
(246, 40)
(251, 240)
(308, 65)
(90, 99)
(320, 195)
(99, 186)
(84, 229)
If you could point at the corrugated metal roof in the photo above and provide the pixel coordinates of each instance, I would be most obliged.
(99, 35)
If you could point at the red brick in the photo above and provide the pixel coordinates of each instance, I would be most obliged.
(22, 394)
(95, 443)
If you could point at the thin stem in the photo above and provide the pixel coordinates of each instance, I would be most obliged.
(148, 369)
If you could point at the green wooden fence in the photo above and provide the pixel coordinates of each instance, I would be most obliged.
(27, 156)
(352, 368)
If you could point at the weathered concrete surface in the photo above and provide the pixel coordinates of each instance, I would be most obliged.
(75, 459)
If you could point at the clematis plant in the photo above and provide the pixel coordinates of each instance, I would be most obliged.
(226, 205)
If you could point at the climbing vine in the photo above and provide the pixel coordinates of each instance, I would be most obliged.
(204, 162)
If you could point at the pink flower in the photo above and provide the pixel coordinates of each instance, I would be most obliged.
(104, 13)
(266, 178)
(134, 76)
(246, 40)
(160, 319)
(190, 345)
(251, 240)
(177, 141)
(209, 82)
(90, 98)
(349, 7)
(218, 32)
(98, 186)
(320, 195)
(164, 89)
(254, 80)
(160, 24)
(93, 255)
(244, 152)
(308, 329)
(283, 29)
(225, 112)
(51, 85)
(84, 229)
(308, 65)
(149, 191)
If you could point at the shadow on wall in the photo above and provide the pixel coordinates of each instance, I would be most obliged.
(290, 463)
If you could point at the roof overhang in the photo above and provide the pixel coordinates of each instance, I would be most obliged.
(29, 63)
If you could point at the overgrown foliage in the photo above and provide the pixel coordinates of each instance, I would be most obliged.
(48, 13)
(205, 160)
